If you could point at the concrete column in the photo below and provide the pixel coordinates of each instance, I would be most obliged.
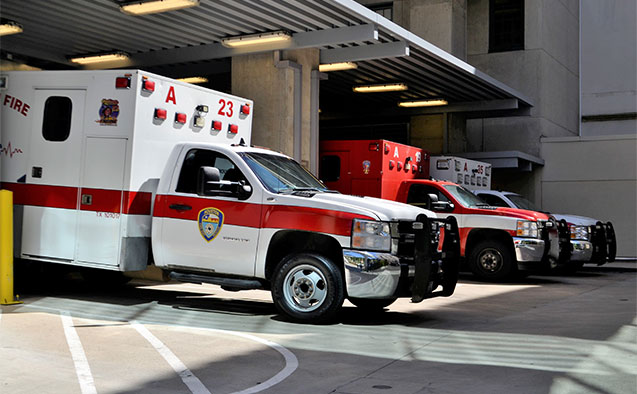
(441, 22)
(280, 84)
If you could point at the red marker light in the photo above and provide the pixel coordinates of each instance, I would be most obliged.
(180, 118)
(122, 82)
(216, 125)
(148, 85)
(374, 146)
(245, 109)
(386, 148)
(399, 166)
(161, 113)
(391, 164)
(233, 129)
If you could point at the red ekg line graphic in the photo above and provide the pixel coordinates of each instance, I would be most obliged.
(9, 151)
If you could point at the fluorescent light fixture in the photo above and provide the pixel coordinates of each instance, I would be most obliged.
(254, 39)
(423, 103)
(106, 57)
(10, 27)
(390, 87)
(337, 66)
(152, 7)
(194, 79)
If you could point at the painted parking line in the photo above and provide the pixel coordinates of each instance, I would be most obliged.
(189, 378)
(82, 368)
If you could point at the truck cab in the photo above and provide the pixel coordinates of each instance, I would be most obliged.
(247, 218)
(495, 242)
(592, 241)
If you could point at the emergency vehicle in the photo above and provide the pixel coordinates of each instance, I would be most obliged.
(107, 166)
(496, 243)
(592, 240)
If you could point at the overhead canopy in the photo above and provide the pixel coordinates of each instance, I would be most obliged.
(188, 41)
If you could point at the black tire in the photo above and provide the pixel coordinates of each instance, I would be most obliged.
(308, 288)
(371, 304)
(491, 260)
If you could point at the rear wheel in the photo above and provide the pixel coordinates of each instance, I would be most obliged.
(492, 261)
(371, 304)
(308, 288)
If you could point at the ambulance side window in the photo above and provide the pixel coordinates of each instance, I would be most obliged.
(196, 158)
(56, 125)
(330, 169)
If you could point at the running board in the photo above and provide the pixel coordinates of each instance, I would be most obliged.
(231, 284)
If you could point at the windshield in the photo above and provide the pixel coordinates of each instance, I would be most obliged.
(465, 197)
(281, 174)
(522, 202)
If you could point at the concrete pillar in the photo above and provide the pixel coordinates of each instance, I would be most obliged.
(441, 22)
(439, 133)
(280, 83)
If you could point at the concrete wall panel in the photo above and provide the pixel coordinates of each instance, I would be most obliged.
(595, 177)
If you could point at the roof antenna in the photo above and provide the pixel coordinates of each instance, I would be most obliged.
(241, 143)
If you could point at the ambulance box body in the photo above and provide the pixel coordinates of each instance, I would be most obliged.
(373, 168)
(472, 174)
(83, 152)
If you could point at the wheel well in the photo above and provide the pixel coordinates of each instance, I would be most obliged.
(479, 235)
(286, 242)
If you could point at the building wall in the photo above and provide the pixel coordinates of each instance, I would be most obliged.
(609, 64)
(594, 177)
(546, 71)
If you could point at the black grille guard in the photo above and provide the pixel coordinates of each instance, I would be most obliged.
(426, 256)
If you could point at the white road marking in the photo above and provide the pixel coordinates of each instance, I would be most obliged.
(291, 362)
(82, 369)
(189, 379)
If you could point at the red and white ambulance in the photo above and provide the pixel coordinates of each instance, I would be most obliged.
(496, 243)
(104, 164)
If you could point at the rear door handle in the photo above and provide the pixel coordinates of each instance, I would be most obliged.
(180, 207)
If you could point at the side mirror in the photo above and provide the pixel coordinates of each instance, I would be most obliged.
(436, 205)
(205, 176)
(209, 183)
(243, 191)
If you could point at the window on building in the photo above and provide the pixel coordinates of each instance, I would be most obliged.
(506, 25)
(56, 125)
(384, 9)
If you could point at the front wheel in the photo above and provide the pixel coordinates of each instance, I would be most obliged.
(492, 261)
(308, 288)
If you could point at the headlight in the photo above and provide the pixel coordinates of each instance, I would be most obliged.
(527, 229)
(371, 235)
(579, 232)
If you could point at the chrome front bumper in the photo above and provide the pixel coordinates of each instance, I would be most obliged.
(582, 250)
(528, 249)
(371, 274)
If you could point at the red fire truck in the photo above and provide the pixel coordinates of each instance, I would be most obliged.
(496, 243)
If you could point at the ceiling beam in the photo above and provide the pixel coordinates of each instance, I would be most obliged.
(310, 39)
(365, 52)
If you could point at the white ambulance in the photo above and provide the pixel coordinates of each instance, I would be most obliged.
(104, 164)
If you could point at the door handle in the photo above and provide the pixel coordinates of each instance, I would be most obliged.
(180, 207)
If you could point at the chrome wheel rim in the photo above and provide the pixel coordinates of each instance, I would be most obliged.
(305, 288)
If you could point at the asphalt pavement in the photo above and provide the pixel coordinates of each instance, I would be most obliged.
(542, 334)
